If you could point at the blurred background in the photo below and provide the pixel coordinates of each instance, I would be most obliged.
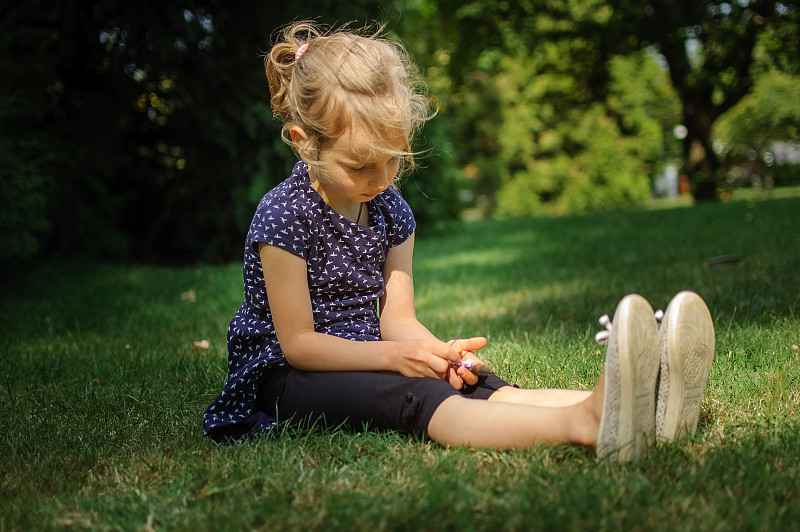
(141, 131)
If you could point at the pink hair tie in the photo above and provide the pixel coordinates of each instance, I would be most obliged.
(300, 51)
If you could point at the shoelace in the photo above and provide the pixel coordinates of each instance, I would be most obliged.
(602, 335)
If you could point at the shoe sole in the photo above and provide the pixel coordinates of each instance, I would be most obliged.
(627, 430)
(687, 342)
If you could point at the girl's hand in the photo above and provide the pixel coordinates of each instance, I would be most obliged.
(465, 346)
(427, 358)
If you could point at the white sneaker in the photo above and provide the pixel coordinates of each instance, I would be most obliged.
(627, 424)
(686, 338)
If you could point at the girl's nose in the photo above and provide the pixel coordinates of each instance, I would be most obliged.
(382, 181)
(383, 177)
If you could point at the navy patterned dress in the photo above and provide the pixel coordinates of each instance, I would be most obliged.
(345, 279)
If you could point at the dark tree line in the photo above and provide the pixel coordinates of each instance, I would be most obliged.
(141, 130)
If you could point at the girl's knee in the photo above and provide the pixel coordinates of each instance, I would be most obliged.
(507, 394)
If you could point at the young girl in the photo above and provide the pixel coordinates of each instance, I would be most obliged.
(328, 330)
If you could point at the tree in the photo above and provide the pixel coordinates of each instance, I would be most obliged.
(571, 156)
(141, 121)
(764, 122)
(709, 47)
(142, 130)
(550, 119)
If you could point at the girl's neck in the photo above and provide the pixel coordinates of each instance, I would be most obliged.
(354, 211)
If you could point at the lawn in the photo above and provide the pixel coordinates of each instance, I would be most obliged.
(102, 390)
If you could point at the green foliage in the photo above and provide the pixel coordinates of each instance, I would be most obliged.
(101, 391)
(709, 47)
(142, 131)
(142, 125)
(24, 184)
(771, 112)
(747, 134)
(534, 93)
(642, 97)
(432, 190)
(564, 155)
(27, 149)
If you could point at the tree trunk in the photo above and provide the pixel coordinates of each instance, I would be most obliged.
(700, 162)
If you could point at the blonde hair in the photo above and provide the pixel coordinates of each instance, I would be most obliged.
(340, 80)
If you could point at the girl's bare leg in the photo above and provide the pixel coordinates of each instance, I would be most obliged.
(523, 418)
(540, 397)
(502, 425)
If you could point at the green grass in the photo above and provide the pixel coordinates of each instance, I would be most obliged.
(101, 392)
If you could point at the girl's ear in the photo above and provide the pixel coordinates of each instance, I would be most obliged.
(298, 134)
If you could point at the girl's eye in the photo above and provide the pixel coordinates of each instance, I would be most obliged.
(368, 166)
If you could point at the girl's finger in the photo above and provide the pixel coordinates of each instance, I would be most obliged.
(467, 376)
(439, 365)
(470, 344)
(455, 380)
(447, 352)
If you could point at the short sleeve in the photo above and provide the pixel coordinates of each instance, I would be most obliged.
(401, 224)
(277, 223)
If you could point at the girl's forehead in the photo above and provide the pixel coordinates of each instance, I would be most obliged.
(359, 142)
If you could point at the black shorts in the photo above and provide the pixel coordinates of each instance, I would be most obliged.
(360, 399)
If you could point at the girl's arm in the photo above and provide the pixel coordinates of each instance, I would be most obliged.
(398, 312)
(286, 280)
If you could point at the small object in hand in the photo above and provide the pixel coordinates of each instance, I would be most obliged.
(456, 338)
(473, 366)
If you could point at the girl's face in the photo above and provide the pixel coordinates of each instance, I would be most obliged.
(352, 172)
